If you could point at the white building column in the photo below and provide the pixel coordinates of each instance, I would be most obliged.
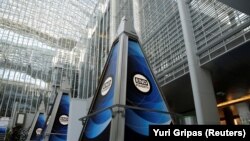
(113, 14)
(203, 92)
(136, 15)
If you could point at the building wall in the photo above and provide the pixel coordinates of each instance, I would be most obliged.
(217, 28)
(162, 39)
(97, 50)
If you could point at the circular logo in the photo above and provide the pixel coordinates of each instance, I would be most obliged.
(64, 119)
(39, 131)
(106, 86)
(141, 83)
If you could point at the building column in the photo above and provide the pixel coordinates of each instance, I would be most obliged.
(243, 107)
(113, 24)
(244, 113)
(203, 92)
(136, 14)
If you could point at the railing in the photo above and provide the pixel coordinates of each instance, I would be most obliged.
(175, 116)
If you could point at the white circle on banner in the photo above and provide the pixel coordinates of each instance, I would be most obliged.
(39, 131)
(64, 119)
(141, 83)
(106, 86)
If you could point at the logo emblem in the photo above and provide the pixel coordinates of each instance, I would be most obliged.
(64, 119)
(39, 131)
(106, 86)
(141, 83)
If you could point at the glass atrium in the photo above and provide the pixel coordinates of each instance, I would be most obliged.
(194, 47)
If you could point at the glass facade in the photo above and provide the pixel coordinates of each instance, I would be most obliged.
(217, 31)
(162, 39)
(103, 26)
(97, 49)
(217, 28)
(42, 43)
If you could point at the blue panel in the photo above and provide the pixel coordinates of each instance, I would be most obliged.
(142, 91)
(37, 131)
(44, 129)
(3, 130)
(60, 126)
(98, 126)
(45, 126)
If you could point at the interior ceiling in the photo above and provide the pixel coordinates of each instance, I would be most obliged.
(241, 5)
(231, 70)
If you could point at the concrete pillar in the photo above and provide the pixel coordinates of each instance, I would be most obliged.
(203, 92)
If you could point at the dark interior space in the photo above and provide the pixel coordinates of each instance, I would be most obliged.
(179, 95)
(231, 70)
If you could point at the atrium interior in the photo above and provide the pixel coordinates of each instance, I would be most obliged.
(197, 50)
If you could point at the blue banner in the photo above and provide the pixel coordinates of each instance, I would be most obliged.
(98, 126)
(38, 129)
(3, 130)
(60, 127)
(143, 92)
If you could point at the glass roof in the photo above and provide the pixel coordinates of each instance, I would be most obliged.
(40, 33)
(41, 43)
(48, 16)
